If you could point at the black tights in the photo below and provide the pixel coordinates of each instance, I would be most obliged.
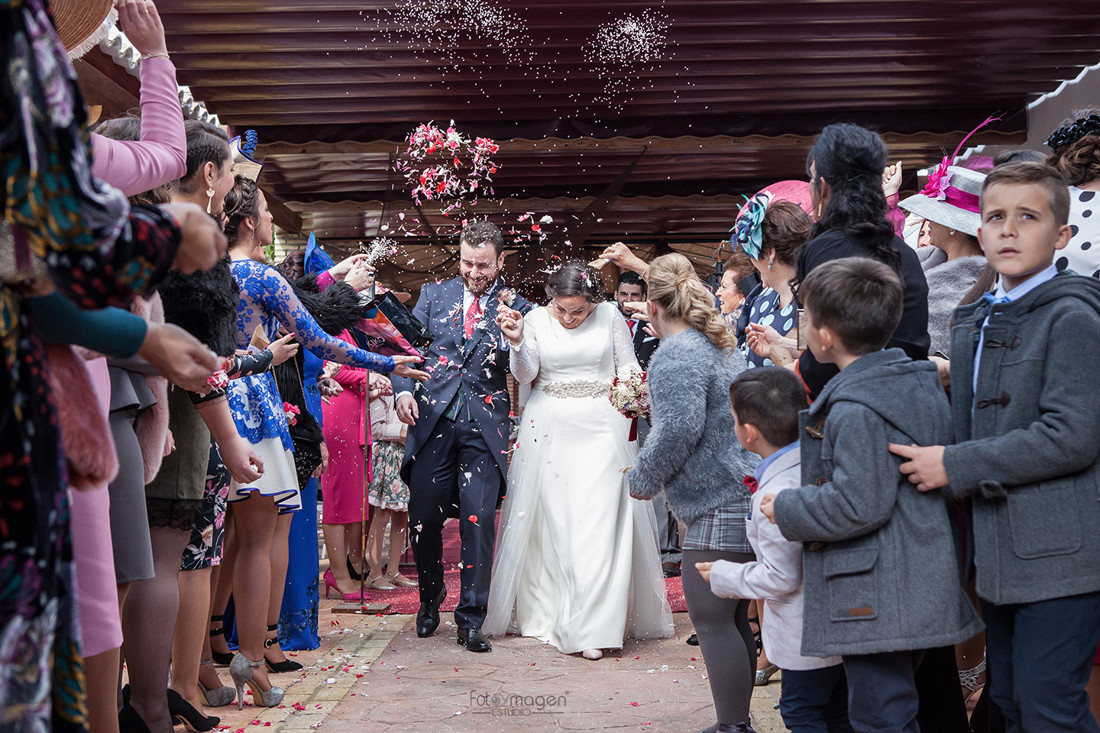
(725, 637)
(148, 617)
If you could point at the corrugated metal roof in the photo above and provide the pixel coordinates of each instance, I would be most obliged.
(723, 95)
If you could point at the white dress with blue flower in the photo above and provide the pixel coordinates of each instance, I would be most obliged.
(266, 301)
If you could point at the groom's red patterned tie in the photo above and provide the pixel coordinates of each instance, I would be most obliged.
(473, 315)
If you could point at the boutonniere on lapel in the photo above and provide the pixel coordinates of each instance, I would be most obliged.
(456, 313)
(506, 296)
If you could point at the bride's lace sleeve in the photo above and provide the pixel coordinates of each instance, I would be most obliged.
(625, 359)
(524, 361)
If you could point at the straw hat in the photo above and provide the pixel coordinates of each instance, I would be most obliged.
(950, 200)
(82, 24)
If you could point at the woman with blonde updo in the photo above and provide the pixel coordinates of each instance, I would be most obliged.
(693, 455)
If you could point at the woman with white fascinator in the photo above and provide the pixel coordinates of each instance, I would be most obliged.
(949, 203)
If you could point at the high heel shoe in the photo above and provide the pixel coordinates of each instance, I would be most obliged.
(355, 575)
(401, 581)
(184, 712)
(330, 584)
(286, 665)
(129, 721)
(241, 670)
(217, 697)
(763, 675)
(380, 582)
(222, 659)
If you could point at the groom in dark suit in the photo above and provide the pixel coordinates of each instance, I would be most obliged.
(456, 450)
(631, 288)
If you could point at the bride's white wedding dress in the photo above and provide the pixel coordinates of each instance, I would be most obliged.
(577, 563)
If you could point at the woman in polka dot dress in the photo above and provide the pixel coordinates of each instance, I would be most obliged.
(1076, 146)
(784, 228)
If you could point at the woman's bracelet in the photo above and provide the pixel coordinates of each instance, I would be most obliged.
(161, 55)
(515, 346)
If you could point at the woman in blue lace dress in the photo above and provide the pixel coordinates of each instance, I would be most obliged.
(261, 511)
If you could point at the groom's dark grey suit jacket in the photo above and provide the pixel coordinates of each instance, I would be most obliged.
(477, 363)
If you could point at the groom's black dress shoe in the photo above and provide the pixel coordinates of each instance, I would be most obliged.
(474, 640)
(427, 618)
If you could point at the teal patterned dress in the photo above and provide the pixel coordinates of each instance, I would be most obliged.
(99, 253)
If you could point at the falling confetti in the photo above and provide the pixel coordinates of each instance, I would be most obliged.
(443, 26)
(623, 50)
(379, 249)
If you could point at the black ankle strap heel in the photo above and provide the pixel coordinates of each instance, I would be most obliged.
(222, 659)
(287, 665)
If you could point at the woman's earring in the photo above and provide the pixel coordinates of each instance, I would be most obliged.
(951, 233)
(209, 199)
(769, 265)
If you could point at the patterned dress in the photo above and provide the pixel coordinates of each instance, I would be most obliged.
(387, 490)
(99, 253)
(267, 300)
(766, 311)
(1082, 254)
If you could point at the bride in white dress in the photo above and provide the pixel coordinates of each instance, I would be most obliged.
(577, 564)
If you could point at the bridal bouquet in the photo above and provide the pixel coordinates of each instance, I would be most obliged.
(630, 394)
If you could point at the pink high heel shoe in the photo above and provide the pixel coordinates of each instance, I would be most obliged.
(330, 584)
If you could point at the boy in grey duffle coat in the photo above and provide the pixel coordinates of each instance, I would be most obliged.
(1026, 399)
(880, 570)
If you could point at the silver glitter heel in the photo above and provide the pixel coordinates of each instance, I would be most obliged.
(241, 670)
(216, 697)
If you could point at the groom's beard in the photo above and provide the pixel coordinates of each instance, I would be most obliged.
(478, 286)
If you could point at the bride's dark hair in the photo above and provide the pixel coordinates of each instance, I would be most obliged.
(575, 278)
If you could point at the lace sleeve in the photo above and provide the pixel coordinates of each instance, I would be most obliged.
(524, 361)
(279, 299)
(625, 359)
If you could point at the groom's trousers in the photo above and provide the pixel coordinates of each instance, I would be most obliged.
(454, 474)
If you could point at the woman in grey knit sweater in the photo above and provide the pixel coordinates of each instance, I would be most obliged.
(693, 455)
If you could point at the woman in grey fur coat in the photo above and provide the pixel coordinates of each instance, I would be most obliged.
(693, 455)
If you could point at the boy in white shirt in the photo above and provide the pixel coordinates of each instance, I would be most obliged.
(766, 402)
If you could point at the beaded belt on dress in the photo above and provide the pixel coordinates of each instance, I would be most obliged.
(577, 388)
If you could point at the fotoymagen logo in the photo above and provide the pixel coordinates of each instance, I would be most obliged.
(506, 705)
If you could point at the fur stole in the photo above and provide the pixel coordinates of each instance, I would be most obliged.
(85, 432)
(947, 284)
(335, 309)
(205, 305)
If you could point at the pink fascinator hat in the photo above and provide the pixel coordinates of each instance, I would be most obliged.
(746, 233)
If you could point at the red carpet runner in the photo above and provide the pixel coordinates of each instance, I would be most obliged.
(407, 600)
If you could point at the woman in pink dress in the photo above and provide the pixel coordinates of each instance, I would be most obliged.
(343, 485)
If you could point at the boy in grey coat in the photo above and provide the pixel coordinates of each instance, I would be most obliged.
(879, 565)
(1026, 401)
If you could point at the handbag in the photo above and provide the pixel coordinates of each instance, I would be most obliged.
(389, 328)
